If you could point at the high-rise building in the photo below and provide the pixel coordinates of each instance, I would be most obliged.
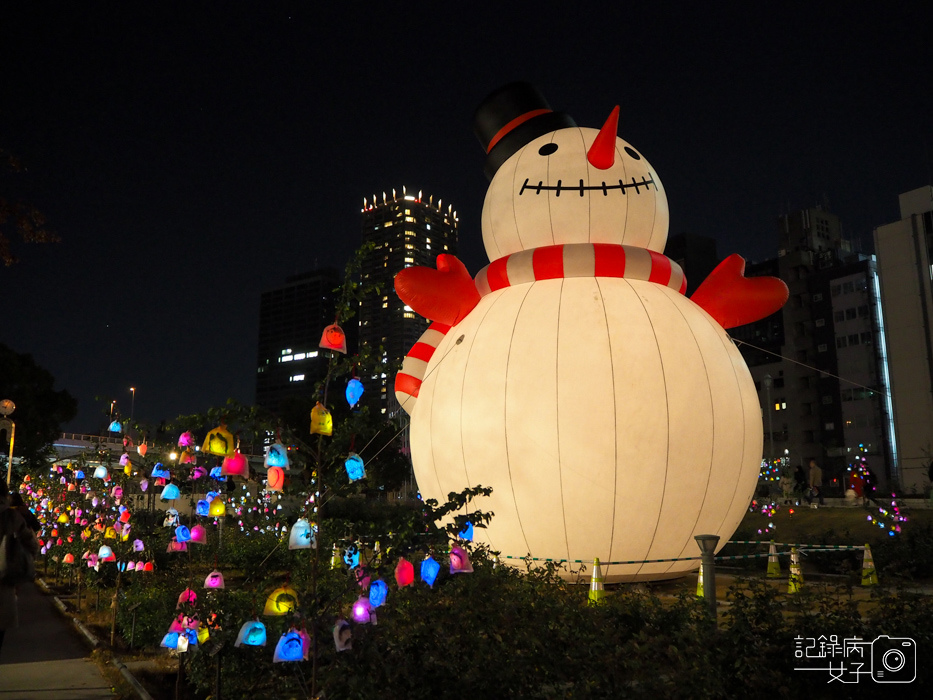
(905, 261)
(696, 256)
(405, 230)
(820, 363)
(291, 320)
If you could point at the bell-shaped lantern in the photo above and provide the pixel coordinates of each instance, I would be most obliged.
(187, 457)
(362, 610)
(176, 546)
(182, 533)
(219, 442)
(343, 635)
(202, 507)
(301, 535)
(460, 561)
(110, 533)
(115, 426)
(63, 518)
(216, 475)
(203, 633)
(404, 573)
(170, 493)
(104, 553)
(333, 338)
(281, 601)
(275, 478)
(351, 556)
(78, 474)
(467, 532)
(170, 640)
(149, 566)
(69, 558)
(199, 534)
(289, 648)
(235, 465)
(138, 546)
(198, 473)
(378, 592)
(187, 597)
(215, 579)
(252, 633)
(217, 508)
(276, 456)
(144, 485)
(142, 449)
(429, 570)
(354, 391)
(124, 459)
(186, 439)
(117, 492)
(100, 472)
(160, 472)
(355, 468)
(322, 423)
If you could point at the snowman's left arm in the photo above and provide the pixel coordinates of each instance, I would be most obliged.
(733, 299)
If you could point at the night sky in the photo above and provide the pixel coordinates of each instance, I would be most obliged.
(193, 155)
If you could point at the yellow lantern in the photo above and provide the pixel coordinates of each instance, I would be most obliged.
(203, 633)
(281, 601)
(321, 421)
(110, 533)
(219, 442)
(217, 508)
(63, 518)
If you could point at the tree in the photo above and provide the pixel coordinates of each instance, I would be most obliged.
(18, 219)
(40, 409)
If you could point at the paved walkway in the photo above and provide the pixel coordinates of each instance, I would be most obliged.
(45, 658)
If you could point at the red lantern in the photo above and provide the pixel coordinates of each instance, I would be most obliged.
(404, 573)
(334, 338)
(235, 465)
(275, 479)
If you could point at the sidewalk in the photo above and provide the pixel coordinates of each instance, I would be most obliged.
(45, 658)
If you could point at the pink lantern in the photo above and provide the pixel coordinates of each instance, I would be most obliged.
(186, 439)
(362, 610)
(143, 485)
(140, 566)
(199, 534)
(235, 465)
(460, 561)
(176, 546)
(117, 492)
(215, 579)
(124, 459)
(187, 597)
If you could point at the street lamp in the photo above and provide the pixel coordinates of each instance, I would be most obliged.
(132, 402)
(707, 544)
(6, 408)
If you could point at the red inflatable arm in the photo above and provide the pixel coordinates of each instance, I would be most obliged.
(734, 299)
(446, 294)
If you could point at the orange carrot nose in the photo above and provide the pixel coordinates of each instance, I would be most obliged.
(603, 151)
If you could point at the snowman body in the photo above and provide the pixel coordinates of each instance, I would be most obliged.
(612, 417)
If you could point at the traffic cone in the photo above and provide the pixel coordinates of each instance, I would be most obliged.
(774, 566)
(869, 575)
(596, 584)
(700, 582)
(335, 560)
(795, 581)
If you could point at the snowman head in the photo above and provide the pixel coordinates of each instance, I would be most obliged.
(568, 184)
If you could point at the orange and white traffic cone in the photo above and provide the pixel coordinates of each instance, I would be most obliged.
(869, 575)
(774, 566)
(596, 584)
(795, 581)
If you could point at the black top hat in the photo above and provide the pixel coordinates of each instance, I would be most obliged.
(511, 117)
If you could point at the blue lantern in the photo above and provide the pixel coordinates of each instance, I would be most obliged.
(429, 571)
(79, 474)
(170, 493)
(277, 456)
(252, 633)
(352, 556)
(378, 591)
(160, 472)
(170, 640)
(216, 474)
(355, 468)
(115, 427)
(203, 507)
(100, 472)
(354, 391)
(182, 533)
(289, 648)
(192, 635)
(467, 532)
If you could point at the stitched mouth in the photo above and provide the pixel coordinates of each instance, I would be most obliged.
(581, 188)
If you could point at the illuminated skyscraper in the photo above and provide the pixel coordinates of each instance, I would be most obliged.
(406, 230)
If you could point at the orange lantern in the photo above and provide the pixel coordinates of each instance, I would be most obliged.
(334, 338)
(142, 449)
(275, 478)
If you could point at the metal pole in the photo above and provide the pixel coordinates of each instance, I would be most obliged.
(707, 544)
(9, 466)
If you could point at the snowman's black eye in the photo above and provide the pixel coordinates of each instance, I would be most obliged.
(547, 149)
(633, 153)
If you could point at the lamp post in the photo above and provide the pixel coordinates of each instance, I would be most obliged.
(132, 402)
(707, 544)
(6, 408)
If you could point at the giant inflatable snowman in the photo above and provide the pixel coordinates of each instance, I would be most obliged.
(612, 416)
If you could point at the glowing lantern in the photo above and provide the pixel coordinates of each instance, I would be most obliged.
(170, 640)
(170, 493)
(216, 475)
(128, 470)
(351, 556)
(281, 601)
(235, 465)
(160, 472)
(176, 546)
(343, 635)
(219, 442)
(69, 558)
(301, 536)
(215, 579)
(378, 592)
(354, 391)
(275, 479)
(187, 457)
(63, 518)
(171, 518)
(460, 561)
(110, 533)
(187, 597)
(362, 611)
(578, 288)
(198, 473)
(182, 533)
(199, 534)
(429, 570)
(100, 472)
(289, 648)
(142, 449)
(115, 426)
(124, 459)
(354, 467)
(277, 456)
(202, 507)
(117, 492)
(217, 508)
(148, 567)
(186, 439)
(144, 485)
(138, 546)
(105, 553)
(203, 634)
(125, 516)
(321, 421)
(466, 533)
(334, 338)
(252, 633)
(78, 475)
